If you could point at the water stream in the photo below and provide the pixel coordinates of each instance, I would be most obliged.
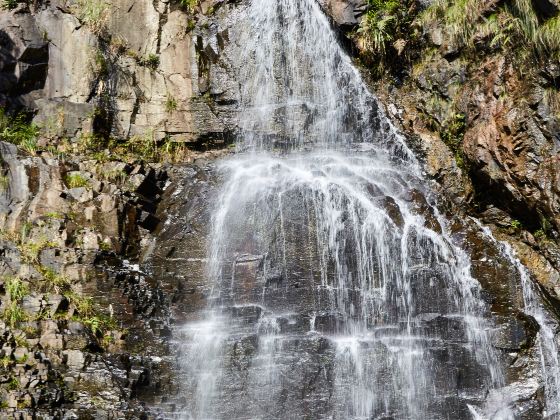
(337, 291)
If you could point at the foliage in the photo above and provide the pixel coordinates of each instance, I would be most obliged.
(13, 314)
(84, 305)
(17, 130)
(16, 288)
(151, 60)
(55, 281)
(100, 66)
(13, 384)
(516, 224)
(170, 104)
(189, 5)
(9, 4)
(4, 182)
(452, 133)
(470, 23)
(30, 250)
(76, 180)
(93, 13)
(385, 31)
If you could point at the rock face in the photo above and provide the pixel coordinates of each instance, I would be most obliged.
(186, 283)
(153, 81)
(67, 293)
(136, 242)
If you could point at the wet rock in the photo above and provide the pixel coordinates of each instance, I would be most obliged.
(515, 334)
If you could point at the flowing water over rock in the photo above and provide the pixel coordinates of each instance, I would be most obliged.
(337, 291)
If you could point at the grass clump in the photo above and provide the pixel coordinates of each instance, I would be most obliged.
(151, 61)
(93, 14)
(170, 104)
(56, 282)
(470, 23)
(16, 289)
(75, 180)
(14, 314)
(17, 130)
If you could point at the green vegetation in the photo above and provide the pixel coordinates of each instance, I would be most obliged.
(13, 384)
(475, 23)
(76, 180)
(56, 282)
(516, 224)
(30, 250)
(151, 61)
(9, 4)
(17, 130)
(13, 314)
(144, 147)
(189, 5)
(54, 215)
(385, 31)
(170, 104)
(4, 182)
(16, 288)
(452, 133)
(93, 13)
(100, 66)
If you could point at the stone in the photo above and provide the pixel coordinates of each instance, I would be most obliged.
(74, 359)
(31, 304)
(346, 13)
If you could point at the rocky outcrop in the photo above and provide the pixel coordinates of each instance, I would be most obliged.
(108, 77)
(74, 333)
(488, 135)
(346, 13)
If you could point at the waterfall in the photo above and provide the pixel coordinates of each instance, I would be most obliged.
(337, 290)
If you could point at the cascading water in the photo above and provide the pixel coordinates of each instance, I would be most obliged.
(337, 290)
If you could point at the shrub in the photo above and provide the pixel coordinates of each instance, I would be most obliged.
(151, 61)
(385, 31)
